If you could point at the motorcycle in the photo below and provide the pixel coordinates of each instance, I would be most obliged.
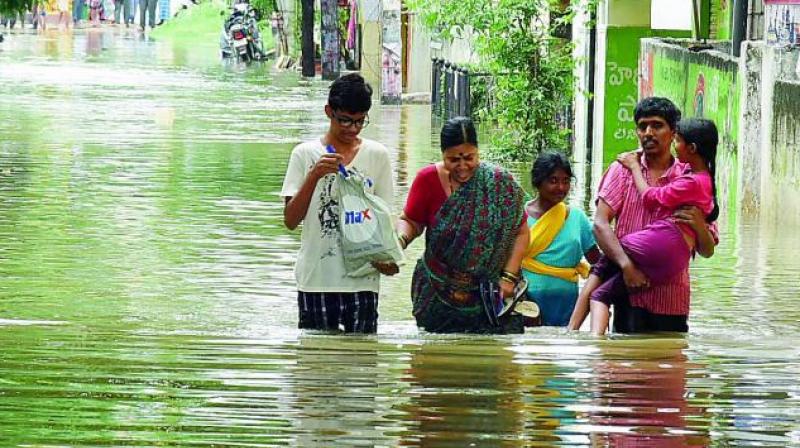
(241, 38)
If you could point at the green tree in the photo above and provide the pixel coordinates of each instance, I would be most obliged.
(16, 6)
(518, 42)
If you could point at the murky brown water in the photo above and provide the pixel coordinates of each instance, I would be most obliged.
(146, 292)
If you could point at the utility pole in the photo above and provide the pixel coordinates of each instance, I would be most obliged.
(739, 26)
(329, 13)
(307, 31)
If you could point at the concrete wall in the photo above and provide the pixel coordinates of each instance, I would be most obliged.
(770, 130)
(419, 56)
(581, 39)
(750, 154)
(372, 43)
(784, 170)
(423, 47)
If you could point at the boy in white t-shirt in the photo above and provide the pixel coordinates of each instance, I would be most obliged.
(326, 298)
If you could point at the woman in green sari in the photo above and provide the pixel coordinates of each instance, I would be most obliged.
(475, 237)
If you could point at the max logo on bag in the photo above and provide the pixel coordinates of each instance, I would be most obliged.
(357, 217)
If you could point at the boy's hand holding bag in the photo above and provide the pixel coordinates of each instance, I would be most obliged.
(367, 229)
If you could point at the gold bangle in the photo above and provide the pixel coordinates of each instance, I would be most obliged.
(508, 279)
(510, 275)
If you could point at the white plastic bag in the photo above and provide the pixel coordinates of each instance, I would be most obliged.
(367, 230)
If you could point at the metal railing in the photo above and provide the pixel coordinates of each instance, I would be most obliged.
(452, 92)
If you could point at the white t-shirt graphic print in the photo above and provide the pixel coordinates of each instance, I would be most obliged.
(320, 266)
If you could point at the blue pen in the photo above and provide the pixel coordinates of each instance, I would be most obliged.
(332, 150)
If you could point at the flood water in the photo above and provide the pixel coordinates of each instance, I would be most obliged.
(147, 294)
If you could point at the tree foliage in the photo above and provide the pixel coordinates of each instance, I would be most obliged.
(16, 6)
(517, 41)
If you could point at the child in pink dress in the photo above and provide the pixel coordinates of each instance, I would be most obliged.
(663, 249)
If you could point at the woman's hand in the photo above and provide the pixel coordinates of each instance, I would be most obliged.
(629, 160)
(386, 268)
(507, 289)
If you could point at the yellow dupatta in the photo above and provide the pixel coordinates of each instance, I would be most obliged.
(542, 235)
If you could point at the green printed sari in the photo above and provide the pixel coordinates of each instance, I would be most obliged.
(465, 252)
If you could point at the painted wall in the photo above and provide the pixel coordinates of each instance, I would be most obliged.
(706, 85)
(721, 19)
(621, 87)
(629, 13)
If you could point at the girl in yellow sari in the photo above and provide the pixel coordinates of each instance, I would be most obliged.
(560, 238)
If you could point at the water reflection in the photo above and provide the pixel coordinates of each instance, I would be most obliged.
(641, 390)
(463, 394)
(147, 294)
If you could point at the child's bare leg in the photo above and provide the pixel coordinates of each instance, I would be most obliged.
(582, 304)
(600, 314)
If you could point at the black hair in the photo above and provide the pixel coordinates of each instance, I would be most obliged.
(457, 131)
(350, 93)
(546, 164)
(655, 106)
(702, 133)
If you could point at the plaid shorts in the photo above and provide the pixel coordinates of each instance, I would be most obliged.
(351, 312)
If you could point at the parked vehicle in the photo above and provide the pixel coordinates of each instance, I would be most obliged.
(241, 38)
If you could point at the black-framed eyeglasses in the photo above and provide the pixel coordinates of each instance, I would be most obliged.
(347, 122)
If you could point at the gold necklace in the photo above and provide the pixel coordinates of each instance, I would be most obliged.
(452, 183)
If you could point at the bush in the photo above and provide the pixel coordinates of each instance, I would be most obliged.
(532, 68)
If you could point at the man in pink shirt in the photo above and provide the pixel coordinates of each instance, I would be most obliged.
(663, 307)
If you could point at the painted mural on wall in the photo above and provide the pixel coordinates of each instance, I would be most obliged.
(623, 87)
(783, 22)
(702, 85)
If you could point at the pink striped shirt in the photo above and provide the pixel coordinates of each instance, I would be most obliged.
(618, 190)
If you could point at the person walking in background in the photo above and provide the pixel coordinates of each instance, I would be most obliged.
(63, 13)
(560, 237)
(77, 11)
(327, 298)
(122, 11)
(11, 19)
(39, 15)
(163, 11)
(147, 8)
(95, 9)
(134, 6)
(475, 235)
